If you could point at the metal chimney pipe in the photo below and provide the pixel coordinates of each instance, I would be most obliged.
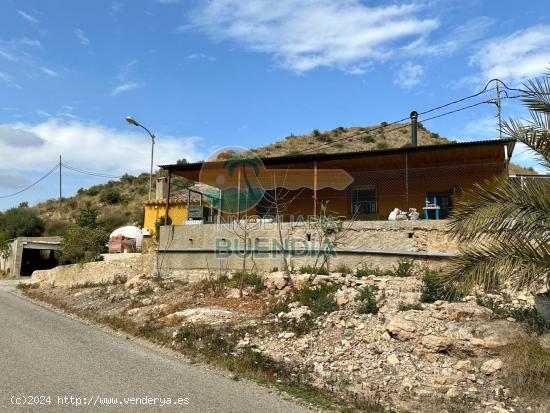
(414, 128)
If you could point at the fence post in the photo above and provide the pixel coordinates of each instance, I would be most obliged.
(407, 181)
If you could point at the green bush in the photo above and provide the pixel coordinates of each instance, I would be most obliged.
(145, 291)
(87, 216)
(369, 302)
(527, 315)
(93, 190)
(382, 145)
(111, 196)
(4, 245)
(368, 269)
(249, 278)
(325, 138)
(71, 203)
(309, 269)
(434, 289)
(344, 269)
(83, 244)
(55, 228)
(111, 221)
(368, 139)
(319, 299)
(21, 222)
(404, 268)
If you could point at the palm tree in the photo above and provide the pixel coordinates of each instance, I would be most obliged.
(503, 228)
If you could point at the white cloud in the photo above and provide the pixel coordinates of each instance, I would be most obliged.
(28, 17)
(521, 55)
(409, 75)
(457, 38)
(12, 49)
(43, 113)
(84, 41)
(9, 80)
(5, 77)
(49, 72)
(126, 87)
(30, 42)
(89, 146)
(482, 128)
(303, 35)
(200, 56)
(8, 56)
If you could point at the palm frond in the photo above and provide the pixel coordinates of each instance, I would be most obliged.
(535, 134)
(506, 209)
(518, 264)
(537, 95)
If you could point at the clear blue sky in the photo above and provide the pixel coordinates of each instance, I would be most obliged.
(227, 72)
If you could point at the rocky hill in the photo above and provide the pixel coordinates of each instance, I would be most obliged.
(350, 140)
(359, 139)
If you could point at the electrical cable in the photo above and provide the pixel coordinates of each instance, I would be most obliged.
(493, 101)
(458, 110)
(31, 185)
(348, 138)
(91, 173)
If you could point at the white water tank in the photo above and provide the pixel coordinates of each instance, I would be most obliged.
(129, 231)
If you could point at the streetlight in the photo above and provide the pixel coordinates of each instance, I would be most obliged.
(134, 122)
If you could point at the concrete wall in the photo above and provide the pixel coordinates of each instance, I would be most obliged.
(19, 244)
(121, 256)
(378, 243)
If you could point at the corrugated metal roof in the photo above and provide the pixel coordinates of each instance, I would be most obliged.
(299, 158)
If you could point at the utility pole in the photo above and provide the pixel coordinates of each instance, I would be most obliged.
(499, 110)
(60, 192)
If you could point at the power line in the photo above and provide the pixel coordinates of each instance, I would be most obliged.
(362, 133)
(458, 110)
(31, 185)
(51, 171)
(484, 90)
(91, 173)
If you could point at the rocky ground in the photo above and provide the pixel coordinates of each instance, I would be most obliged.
(381, 350)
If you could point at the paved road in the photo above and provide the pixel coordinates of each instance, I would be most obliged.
(44, 353)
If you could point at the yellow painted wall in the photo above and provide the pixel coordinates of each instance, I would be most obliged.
(154, 211)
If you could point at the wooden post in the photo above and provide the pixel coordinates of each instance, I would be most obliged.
(407, 181)
(315, 189)
(167, 212)
(239, 194)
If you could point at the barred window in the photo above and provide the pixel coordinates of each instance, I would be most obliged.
(364, 201)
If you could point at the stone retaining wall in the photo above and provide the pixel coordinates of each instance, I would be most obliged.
(99, 272)
(377, 243)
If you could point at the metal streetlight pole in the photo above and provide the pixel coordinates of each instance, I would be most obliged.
(134, 122)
